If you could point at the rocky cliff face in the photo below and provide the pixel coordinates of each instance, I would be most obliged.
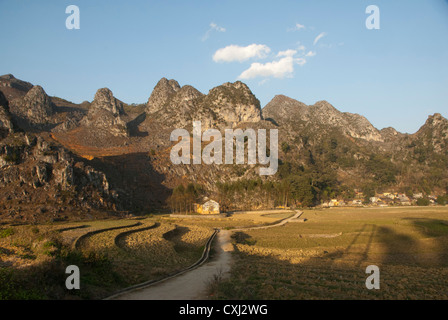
(128, 147)
(105, 114)
(434, 134)
(322, 116)
(34, 110)
(5, 118)
(105, 100)
(234, 103)
(162, 93)
(13, 88)
(224, 106)
(38, 175)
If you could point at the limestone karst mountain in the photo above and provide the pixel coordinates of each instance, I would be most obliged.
(42, 181)
(225, 105)
(119, 153)
(105, 113)
(434, 133)
(34, 110)
(13, 88)
(321, 115)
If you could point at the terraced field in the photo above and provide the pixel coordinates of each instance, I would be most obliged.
(132, 250)
(149, 250)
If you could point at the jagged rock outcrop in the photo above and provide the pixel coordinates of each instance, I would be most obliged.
(162, 93)
(6, 124)
(105, 114)
(322, 115)
(234, 103)
(105, 100)
(34, 110)
(434, 134)
(224, 106)
(13, 88)
(36, 173)
(128, 147)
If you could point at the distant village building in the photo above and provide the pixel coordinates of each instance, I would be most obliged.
(418, 195)
(209, 207)
(374, 199)
(357, 202)
(404, 200)
(333, 203)
(389, 195)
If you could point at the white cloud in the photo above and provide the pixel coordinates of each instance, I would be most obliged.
(297, 27)
(310, 54)
(213, 27)
(320, 36)
(287, 53)
(300, 61)
(301, 48)
(237, 53)
(281, 68)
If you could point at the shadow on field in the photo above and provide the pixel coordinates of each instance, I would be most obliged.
(413, 261)
(437, 230)
(430, 250)
(398, 248)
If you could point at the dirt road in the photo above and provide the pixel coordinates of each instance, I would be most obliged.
(193, 284)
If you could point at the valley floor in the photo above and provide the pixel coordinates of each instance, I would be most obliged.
(321, 255)
(326, 256)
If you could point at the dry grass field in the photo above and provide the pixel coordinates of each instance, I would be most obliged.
(111, 254)
(237, 220)
(326, 256)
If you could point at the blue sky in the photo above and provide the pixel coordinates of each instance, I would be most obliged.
(395, 76)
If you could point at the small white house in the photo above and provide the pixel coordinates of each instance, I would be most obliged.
(374, 199)
(209, 207)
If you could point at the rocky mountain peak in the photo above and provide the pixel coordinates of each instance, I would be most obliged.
(436, 119)
(104, 114)
(163, 91)
(7, 77)
(325, 106)
(104, 99)
(39, 102)
(234, 102)
(321, 116)
(282, 107)
(13, 88)
(436, 124)
(37, 93)
(434, 132)
(164, 83)
(35, 108)
(187, 93)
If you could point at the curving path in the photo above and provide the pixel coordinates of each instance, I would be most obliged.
(193, 285)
